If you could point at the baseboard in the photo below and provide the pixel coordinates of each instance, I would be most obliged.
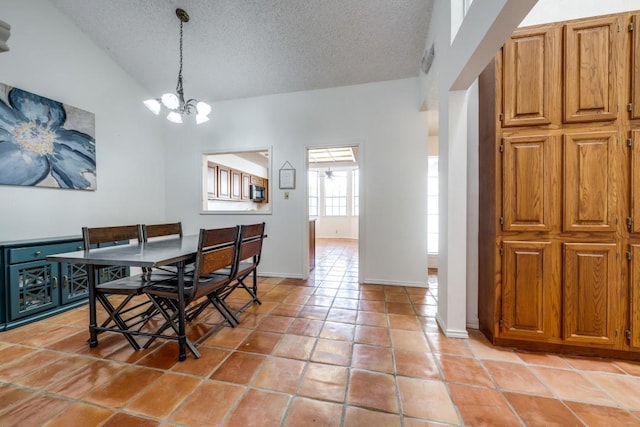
(280, 275)
(473, 324)
(450, 333)
(396, 283)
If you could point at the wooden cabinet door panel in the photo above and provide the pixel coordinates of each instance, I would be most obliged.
(236, 184)
(589, 190)
(591, 69)
(635, 68)
(224, 182)
(531, 76)
(212, 181)
(591, 294)
(635, 181)
(529, 305)
(246, 186)
(33, 288)
(634, 274)
(530, 169)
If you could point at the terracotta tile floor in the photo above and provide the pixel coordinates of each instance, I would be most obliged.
(326, 352)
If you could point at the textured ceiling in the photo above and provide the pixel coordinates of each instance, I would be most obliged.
(243, 48)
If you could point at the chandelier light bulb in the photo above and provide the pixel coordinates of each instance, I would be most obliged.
(203, 108)
(153, 105)
(201, 118)
(174, 117)
(170, 101)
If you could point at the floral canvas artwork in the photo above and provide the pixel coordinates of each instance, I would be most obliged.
(45, 143)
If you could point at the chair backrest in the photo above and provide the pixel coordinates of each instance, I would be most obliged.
(150, 231)
(217, 250)
(97, 235)
(251, 237)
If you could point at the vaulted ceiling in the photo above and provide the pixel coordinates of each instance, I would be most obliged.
(244, 48)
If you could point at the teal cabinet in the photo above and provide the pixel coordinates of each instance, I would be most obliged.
(32, 288)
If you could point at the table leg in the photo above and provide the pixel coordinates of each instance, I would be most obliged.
(182, 335)
(91, 277)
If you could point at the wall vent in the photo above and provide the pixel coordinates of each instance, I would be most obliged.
(427, 59)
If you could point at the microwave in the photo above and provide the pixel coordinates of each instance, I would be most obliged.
(257, 193)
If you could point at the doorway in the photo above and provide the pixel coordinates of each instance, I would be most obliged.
(334, 210)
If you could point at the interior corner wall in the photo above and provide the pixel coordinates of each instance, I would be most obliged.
(51, 57)
(473, 207)
(383, 118)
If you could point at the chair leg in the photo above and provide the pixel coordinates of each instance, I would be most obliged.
(114, 315)
(253, 291)
(224, 309)
(255, 287)
(169, 322)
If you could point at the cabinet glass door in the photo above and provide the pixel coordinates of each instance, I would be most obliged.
(75, 284)
(107, 274)
(33, 287)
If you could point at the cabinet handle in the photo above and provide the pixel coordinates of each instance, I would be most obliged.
(37, 253)
(55, 283)
(79, 248)
(65, 281)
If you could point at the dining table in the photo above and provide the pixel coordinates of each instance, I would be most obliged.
(173, 251)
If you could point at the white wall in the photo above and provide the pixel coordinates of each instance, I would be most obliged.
(381, 117)
(49, 56)
(456, 66)
(337, 227)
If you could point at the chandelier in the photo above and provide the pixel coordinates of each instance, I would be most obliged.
(175, 104)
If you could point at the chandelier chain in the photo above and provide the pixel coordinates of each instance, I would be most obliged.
(179, 86)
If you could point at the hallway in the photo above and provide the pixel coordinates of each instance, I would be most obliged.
(326, 351)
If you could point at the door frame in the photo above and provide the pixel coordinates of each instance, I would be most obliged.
(359, 144)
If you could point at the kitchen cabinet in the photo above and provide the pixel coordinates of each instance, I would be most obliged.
(236, 185)
(559, 157)
(246, 186)
(593, 59)
(225, 183)
(532, 71)
(591, 294)
(529, 297)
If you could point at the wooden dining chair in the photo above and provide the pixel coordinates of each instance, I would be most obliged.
(122, 317)
(249, 254)
(217, 250)
(151, 232)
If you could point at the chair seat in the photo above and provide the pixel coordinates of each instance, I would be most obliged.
(243, 269)
(169, 287)
(123, 286)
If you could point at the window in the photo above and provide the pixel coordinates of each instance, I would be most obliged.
(335, 194)
(432, 205)
(313, 193)
(355, 184)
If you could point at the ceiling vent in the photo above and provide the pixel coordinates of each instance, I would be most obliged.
(427, 59)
